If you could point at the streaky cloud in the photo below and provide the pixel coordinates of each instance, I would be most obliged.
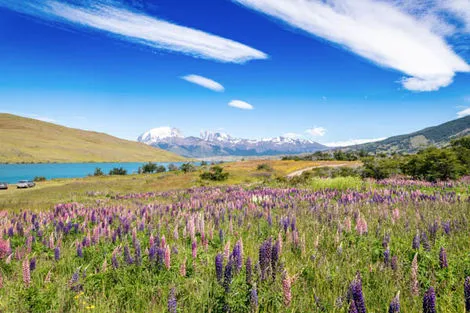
(316, 131)
(138, 28)
(240, 105)
(463, 113)
(380, 31)
(204, 82)
(352, 142)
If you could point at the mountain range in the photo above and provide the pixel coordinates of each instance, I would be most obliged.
(438, 136)
(211, 144)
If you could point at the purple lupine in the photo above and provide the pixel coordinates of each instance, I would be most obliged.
(352, 307)
(137, 252)
(219, 266)
(275, 257)
(127, 255)
(416, 242)
(429, 301)
(357, 295)
(57, 253)
(254, 299)
(194, 249)
(237, 257)
(172, 303)
(114, 261)
(387, 256)
(32, 264)
(221, 236)
(265, 258)
(79, 250)
(248, 271)
(228, 274)
(466, 288)
(394, 263)
(425, 241)
(443, 258)
(395, 304)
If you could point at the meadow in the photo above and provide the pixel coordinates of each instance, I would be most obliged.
(171, 243)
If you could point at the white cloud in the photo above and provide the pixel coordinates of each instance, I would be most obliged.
(204, 82)
(139, 28)
(352, 142)
(387, 33)
(292, 135)
(316, 131)
(464, 112)
(461, 8)
(240, 105)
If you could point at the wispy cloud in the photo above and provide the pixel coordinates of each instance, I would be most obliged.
(292, 135)
(138, 28)
(395, 34)
(463, 113)
(352, 142)
(204, 82)
(316, 131)
(240, 105)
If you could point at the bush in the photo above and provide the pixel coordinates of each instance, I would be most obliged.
(172, 167)
(149, 168)
(118, 171)
(187, 168)
(160, 169)
(381, 168)
(215, 174)
(98, 172)
(265, 167)
(39, 178)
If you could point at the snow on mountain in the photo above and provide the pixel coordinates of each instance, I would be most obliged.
(210, 144)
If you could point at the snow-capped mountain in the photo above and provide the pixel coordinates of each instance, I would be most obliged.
(210, 144)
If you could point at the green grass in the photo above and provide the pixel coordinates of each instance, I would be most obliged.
(339, 183)
(25, 140)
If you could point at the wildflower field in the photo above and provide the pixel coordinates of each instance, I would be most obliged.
(382, 246)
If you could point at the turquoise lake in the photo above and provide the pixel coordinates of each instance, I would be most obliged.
(12, 173)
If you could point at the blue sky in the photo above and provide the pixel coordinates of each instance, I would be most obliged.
(332, 71)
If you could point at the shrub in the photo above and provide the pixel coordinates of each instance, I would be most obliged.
(265, 167)
(149, 168)
(215, 174)
(98, 172)
(118, 171)
(187, 168)
(39, 178)
(172, 167)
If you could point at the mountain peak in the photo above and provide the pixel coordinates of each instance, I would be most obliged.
(158, 133)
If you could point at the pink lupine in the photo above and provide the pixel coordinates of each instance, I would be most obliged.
(227, 250)
(414, 276)
(26, 273)
(167, 257)
(183, 268)
(194, 249)
(4, 248)
(286, 289)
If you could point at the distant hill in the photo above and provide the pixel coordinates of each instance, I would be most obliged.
(438, 136)
(29, 140)
(221, 145)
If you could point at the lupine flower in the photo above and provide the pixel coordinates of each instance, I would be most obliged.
(395, 304)
(443, 258)
(137, 252)
(1, 280)
(253, 299)
(79, 251)
(357, 295)
(228, 276)
(466, 288)
(227, 250)
(429, 301)
(425, 241)
(248, 271)
(416, 242)
(127, 255)
(4, 248)
(183, 268)
(57, 253)
(32, 264)
(387, 256)
(286, 288)
(275, 258)
(194, 249)
(352, 307)
(47, 279)
(265, 251)
(394, 263)
(414, 276)
(167, 257)
(219, 266)
(26, 273)
(172, 303)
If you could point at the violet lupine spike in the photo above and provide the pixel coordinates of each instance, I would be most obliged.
(79, 251)
(443, 258)
(394, 263)
(172, 302)
(357, 295)
(395, 304)
(248, 271)
(32, 264)
(466, 288)
(265, 251)
(429, 301)
(425, 241)
(57, 253)
(194, 249)
(416, 242)
(127, 255)
(352, 307)
(228, 275)
(137, 252)
(387, 256)
(254, 299)
(219, 266)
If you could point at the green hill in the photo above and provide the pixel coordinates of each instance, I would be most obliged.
(438, 136)
(29, 140)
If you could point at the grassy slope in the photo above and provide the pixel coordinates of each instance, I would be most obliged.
(28, 140)
(46, 194)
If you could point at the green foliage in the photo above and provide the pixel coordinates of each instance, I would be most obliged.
(380, 168)
(215, 174)
(187, 168)
(118, 171)
(172, 167)
(39, 178)
(150, 168)
(98, 172)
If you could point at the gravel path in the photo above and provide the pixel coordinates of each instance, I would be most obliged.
(299, 172)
